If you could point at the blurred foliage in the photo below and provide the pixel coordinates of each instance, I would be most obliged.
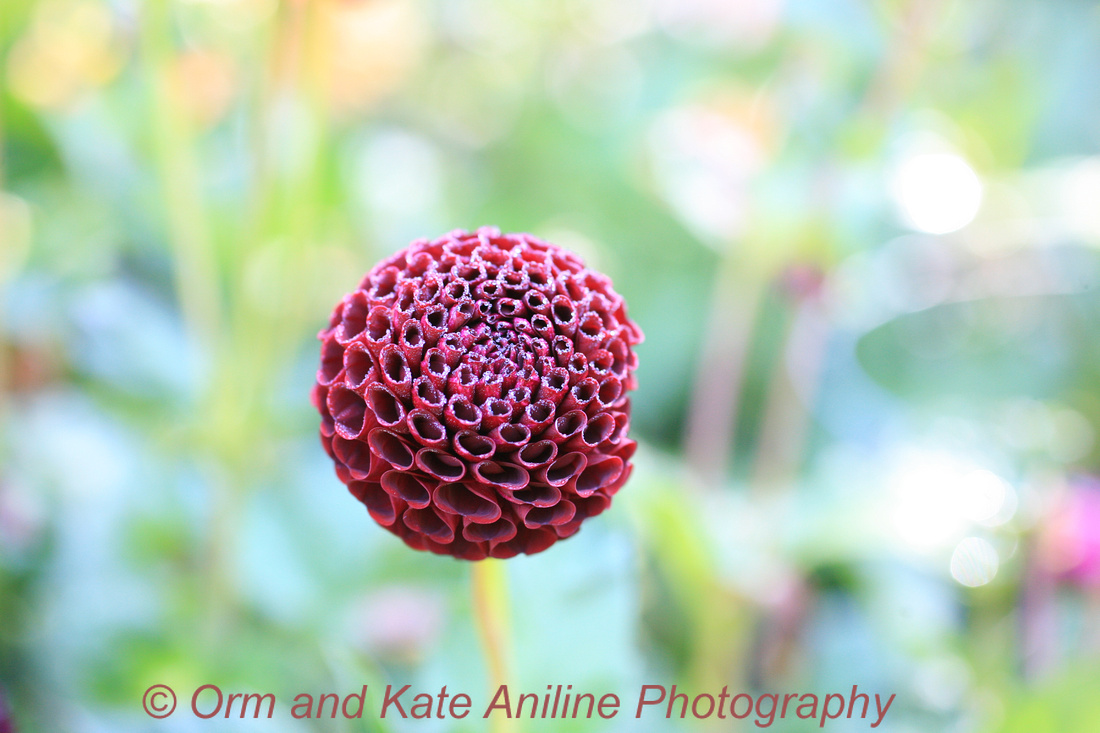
(861, 238)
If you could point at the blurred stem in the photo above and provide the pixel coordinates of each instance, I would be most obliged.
(712, 420)
(4, 385)
(283, 208)
(219, 585)
(188, 227)
(787, 414)
(900, 70)
(198, 284)
(4, 274)
(488, 583)
(788, 406)
(1038, 632)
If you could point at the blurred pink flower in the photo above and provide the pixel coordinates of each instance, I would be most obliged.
(1070, 541)
(802, 281)
(399, 622)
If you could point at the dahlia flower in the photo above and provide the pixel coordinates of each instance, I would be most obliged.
(473, 393)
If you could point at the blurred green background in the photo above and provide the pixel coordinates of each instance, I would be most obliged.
(861, 237)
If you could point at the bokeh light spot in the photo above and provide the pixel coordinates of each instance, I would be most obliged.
(937, 192)
(974, 562)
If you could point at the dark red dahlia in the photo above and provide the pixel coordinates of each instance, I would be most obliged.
(473, 393)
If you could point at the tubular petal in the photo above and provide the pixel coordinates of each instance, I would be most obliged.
(459, 499)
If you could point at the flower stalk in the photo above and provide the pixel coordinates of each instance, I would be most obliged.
(488, 584)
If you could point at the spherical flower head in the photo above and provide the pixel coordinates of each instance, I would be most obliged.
(473, 393)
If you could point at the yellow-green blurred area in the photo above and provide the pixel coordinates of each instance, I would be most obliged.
(861, 237)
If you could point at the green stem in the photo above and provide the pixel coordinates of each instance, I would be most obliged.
(180, 177)
(488, 583)
(218, 427)
(787, 414)
(712, 419)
